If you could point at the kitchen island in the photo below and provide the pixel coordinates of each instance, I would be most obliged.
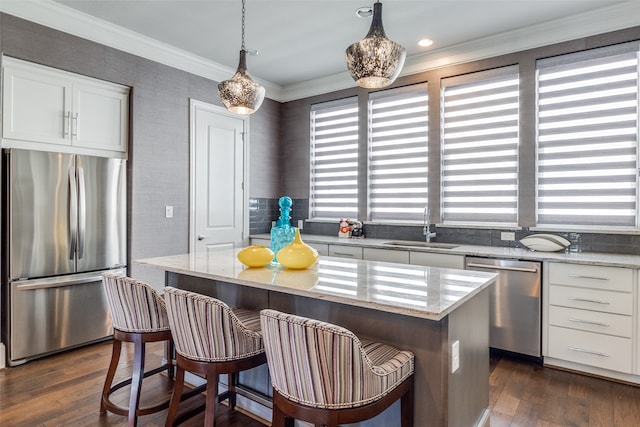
(426, 310)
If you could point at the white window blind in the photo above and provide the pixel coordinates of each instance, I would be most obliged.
(480, 147)
(397, 166)
(587, 128)
(334, 160)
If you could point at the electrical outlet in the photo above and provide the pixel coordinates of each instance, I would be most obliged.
(455, 356)
(300, 224)
(508, 235)
(168, 211)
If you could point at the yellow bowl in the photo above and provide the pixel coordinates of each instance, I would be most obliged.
(255, 256)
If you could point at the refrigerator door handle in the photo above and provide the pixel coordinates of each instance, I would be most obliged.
(56, 282)
(82, 212)
(73, 212)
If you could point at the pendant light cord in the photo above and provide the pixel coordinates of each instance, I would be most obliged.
(242, 47)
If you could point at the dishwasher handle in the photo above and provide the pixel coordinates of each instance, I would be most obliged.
(502, 267)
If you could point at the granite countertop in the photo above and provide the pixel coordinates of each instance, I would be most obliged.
(425, 292)
(590, 258)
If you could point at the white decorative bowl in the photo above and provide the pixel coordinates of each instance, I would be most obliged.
(545, 242)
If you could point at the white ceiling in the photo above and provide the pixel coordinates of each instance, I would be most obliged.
(303, 41)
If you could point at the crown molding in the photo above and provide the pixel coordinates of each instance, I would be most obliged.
(610, 18)
(68, 20)
(62, 18)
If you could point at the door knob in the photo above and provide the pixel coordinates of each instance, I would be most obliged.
(200, 237)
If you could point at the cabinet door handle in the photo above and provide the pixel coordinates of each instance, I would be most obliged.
(503, 267)
(595, 301)
(588, 322)
(580, 276)
(74, 129)
(66, 124)
(343, 254)
(582, 350)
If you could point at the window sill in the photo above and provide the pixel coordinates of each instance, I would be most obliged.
(584, 229)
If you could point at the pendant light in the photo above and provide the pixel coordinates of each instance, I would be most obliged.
(375, 61)
(240, 94)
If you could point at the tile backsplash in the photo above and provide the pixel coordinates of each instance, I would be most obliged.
(262, 211)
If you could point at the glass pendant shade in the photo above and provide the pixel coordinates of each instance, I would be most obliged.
(375, 61)
(240, 94)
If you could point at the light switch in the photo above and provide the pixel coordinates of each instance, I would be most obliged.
(300, 224)
(508, 236)
(168, 211)
(455, 356)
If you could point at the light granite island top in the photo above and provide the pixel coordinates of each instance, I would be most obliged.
(412, 290)
(441, 315)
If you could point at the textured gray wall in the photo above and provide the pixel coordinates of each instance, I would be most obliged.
(159, 135)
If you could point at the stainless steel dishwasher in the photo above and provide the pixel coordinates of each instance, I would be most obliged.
(515, 310)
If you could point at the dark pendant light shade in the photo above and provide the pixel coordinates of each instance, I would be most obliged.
(375, 61)
(240, 94)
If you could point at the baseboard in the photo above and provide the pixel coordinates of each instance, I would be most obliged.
(592, 371)
(3, 353)
(485, 420)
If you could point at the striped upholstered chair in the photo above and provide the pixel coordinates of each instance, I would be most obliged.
(325, 375)
(139, 316)
(210, 339)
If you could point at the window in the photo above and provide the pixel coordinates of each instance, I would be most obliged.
(397, 164)
(587, 138)
(480, 147)
(334, 160)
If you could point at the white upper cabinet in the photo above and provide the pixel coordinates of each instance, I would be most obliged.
(100, 116)
(43, 105)
(36, 104)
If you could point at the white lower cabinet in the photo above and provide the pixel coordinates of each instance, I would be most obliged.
(602, 323)
(322, 248)
(261, 242)
(589, 348)
(432, 259)
(590, 317)
(344, 251)
(386, 255)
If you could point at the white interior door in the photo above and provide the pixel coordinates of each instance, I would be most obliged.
(218, 152)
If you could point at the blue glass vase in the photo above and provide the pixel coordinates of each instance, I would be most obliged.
(282, 234)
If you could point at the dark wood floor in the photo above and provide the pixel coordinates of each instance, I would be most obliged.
(525, 394)
(64, 390)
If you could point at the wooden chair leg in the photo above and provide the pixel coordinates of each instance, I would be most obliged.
(211, 400)
(406, 407)
(169, 350)
(178, 386)
(136, 379)
(232, 380)
(113, 366)
(279, 420)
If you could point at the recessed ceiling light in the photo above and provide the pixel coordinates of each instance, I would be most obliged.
(364, 12)
(425, 42)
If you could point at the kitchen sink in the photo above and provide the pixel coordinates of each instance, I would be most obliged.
(409, 243)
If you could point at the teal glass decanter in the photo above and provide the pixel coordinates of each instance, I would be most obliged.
(282, 234)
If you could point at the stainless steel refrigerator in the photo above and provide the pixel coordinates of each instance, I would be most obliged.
(65, 224)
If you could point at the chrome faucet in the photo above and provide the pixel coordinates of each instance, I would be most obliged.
(428, 234)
